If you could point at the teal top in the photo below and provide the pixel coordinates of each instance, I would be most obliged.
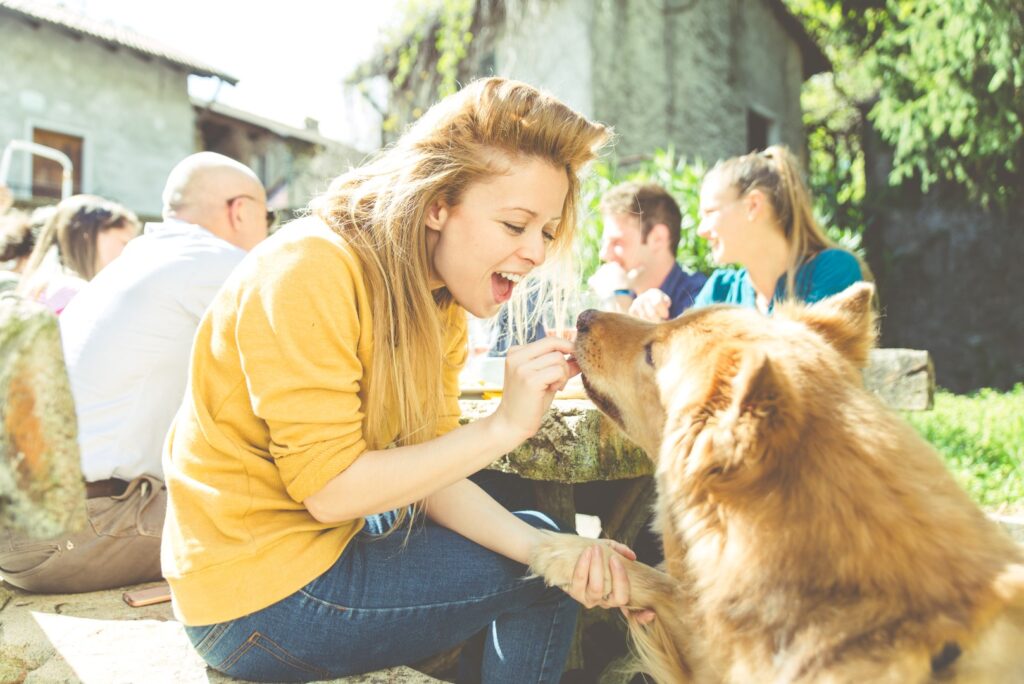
(829, 272)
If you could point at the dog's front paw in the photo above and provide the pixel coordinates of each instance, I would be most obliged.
(555, 558)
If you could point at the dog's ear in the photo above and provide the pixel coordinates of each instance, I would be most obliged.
(762, 392)
(762, 418)
(846, 320)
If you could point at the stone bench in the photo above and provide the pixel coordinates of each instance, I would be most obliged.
(96, 637)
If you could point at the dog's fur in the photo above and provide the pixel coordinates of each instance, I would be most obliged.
(810, 535)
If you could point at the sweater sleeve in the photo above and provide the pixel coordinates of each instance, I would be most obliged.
(298, 333)
(455, 358)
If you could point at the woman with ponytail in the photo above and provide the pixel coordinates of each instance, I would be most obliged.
(757, 212)
(320, 518)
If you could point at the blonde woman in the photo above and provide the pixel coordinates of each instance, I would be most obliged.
(323, 394)
(82, 236)
(757, 212)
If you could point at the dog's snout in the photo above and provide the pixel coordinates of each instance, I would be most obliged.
(584, 319)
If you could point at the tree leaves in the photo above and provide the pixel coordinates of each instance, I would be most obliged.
(946, 79)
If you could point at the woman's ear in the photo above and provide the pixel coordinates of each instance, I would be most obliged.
(754, 202)
(437, 214)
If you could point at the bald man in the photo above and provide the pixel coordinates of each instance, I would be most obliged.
(127, 338)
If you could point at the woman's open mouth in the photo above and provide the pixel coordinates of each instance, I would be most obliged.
(502, 284)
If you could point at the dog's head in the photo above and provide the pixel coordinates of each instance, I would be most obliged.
(722, 382)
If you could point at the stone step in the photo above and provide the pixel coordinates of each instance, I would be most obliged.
(96, 637)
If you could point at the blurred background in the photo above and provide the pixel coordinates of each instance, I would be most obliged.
(909, 117)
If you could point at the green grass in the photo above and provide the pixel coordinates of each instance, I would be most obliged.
(981, 436)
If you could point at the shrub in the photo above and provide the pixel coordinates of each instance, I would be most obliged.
(680, 176)
(981, 436)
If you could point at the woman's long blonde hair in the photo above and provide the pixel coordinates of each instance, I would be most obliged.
(776, 172)
(380, 209)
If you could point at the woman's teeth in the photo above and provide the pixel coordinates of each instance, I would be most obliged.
(514, 277)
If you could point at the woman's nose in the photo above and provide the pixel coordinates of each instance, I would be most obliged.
(534, 249)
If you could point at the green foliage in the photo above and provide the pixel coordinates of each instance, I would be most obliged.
(680, 176)
(453, 38)
(407, 49)
(981, 437)
(942, 82)
(952, 100)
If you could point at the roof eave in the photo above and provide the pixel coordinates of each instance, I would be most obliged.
(815, 61)
(190, 67)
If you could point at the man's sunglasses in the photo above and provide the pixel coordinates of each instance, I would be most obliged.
(271, 214)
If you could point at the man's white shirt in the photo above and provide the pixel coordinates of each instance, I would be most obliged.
(127, 340)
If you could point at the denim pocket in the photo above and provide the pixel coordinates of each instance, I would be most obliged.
(205, 639)
(261, 658)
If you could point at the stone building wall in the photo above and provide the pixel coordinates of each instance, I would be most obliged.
(947, 273)
(679, 73)
(133, 114)
(550, 47)
(686, 73)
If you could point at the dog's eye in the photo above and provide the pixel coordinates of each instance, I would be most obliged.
(648, 355)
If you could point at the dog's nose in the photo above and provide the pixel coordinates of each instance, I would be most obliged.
(583, 320)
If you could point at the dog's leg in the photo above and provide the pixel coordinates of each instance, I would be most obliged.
(995, 654)
(661, 644)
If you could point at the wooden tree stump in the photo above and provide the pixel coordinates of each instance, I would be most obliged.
(41, 488)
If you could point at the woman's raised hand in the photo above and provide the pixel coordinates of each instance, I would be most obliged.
(533, 373)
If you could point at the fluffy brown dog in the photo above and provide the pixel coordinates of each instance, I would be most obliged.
(810, 534)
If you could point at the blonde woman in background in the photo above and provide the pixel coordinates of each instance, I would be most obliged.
(322, 414)
(82, 236)
(757, 213)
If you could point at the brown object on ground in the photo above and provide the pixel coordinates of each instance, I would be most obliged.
(810, 534)
(41, 490)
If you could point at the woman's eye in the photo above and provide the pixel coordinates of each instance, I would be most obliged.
(550, 237)
(518, 230)
(648, 356)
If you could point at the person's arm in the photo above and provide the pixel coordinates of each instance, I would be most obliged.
(466, 509)
(385, 479)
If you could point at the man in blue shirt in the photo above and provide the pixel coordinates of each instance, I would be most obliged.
(642, 224)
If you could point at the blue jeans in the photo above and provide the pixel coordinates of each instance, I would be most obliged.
(388, 601)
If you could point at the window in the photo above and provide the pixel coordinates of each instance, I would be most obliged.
(46, 173)
(759, 129)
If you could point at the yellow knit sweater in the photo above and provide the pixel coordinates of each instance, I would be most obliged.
(273, 411)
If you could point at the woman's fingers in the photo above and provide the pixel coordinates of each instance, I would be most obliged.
(621, 549)
(545, 371)
(593, 570)
(620, 581)
(545, 345)
(580, 578)
(643, 616)
(595, 585)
